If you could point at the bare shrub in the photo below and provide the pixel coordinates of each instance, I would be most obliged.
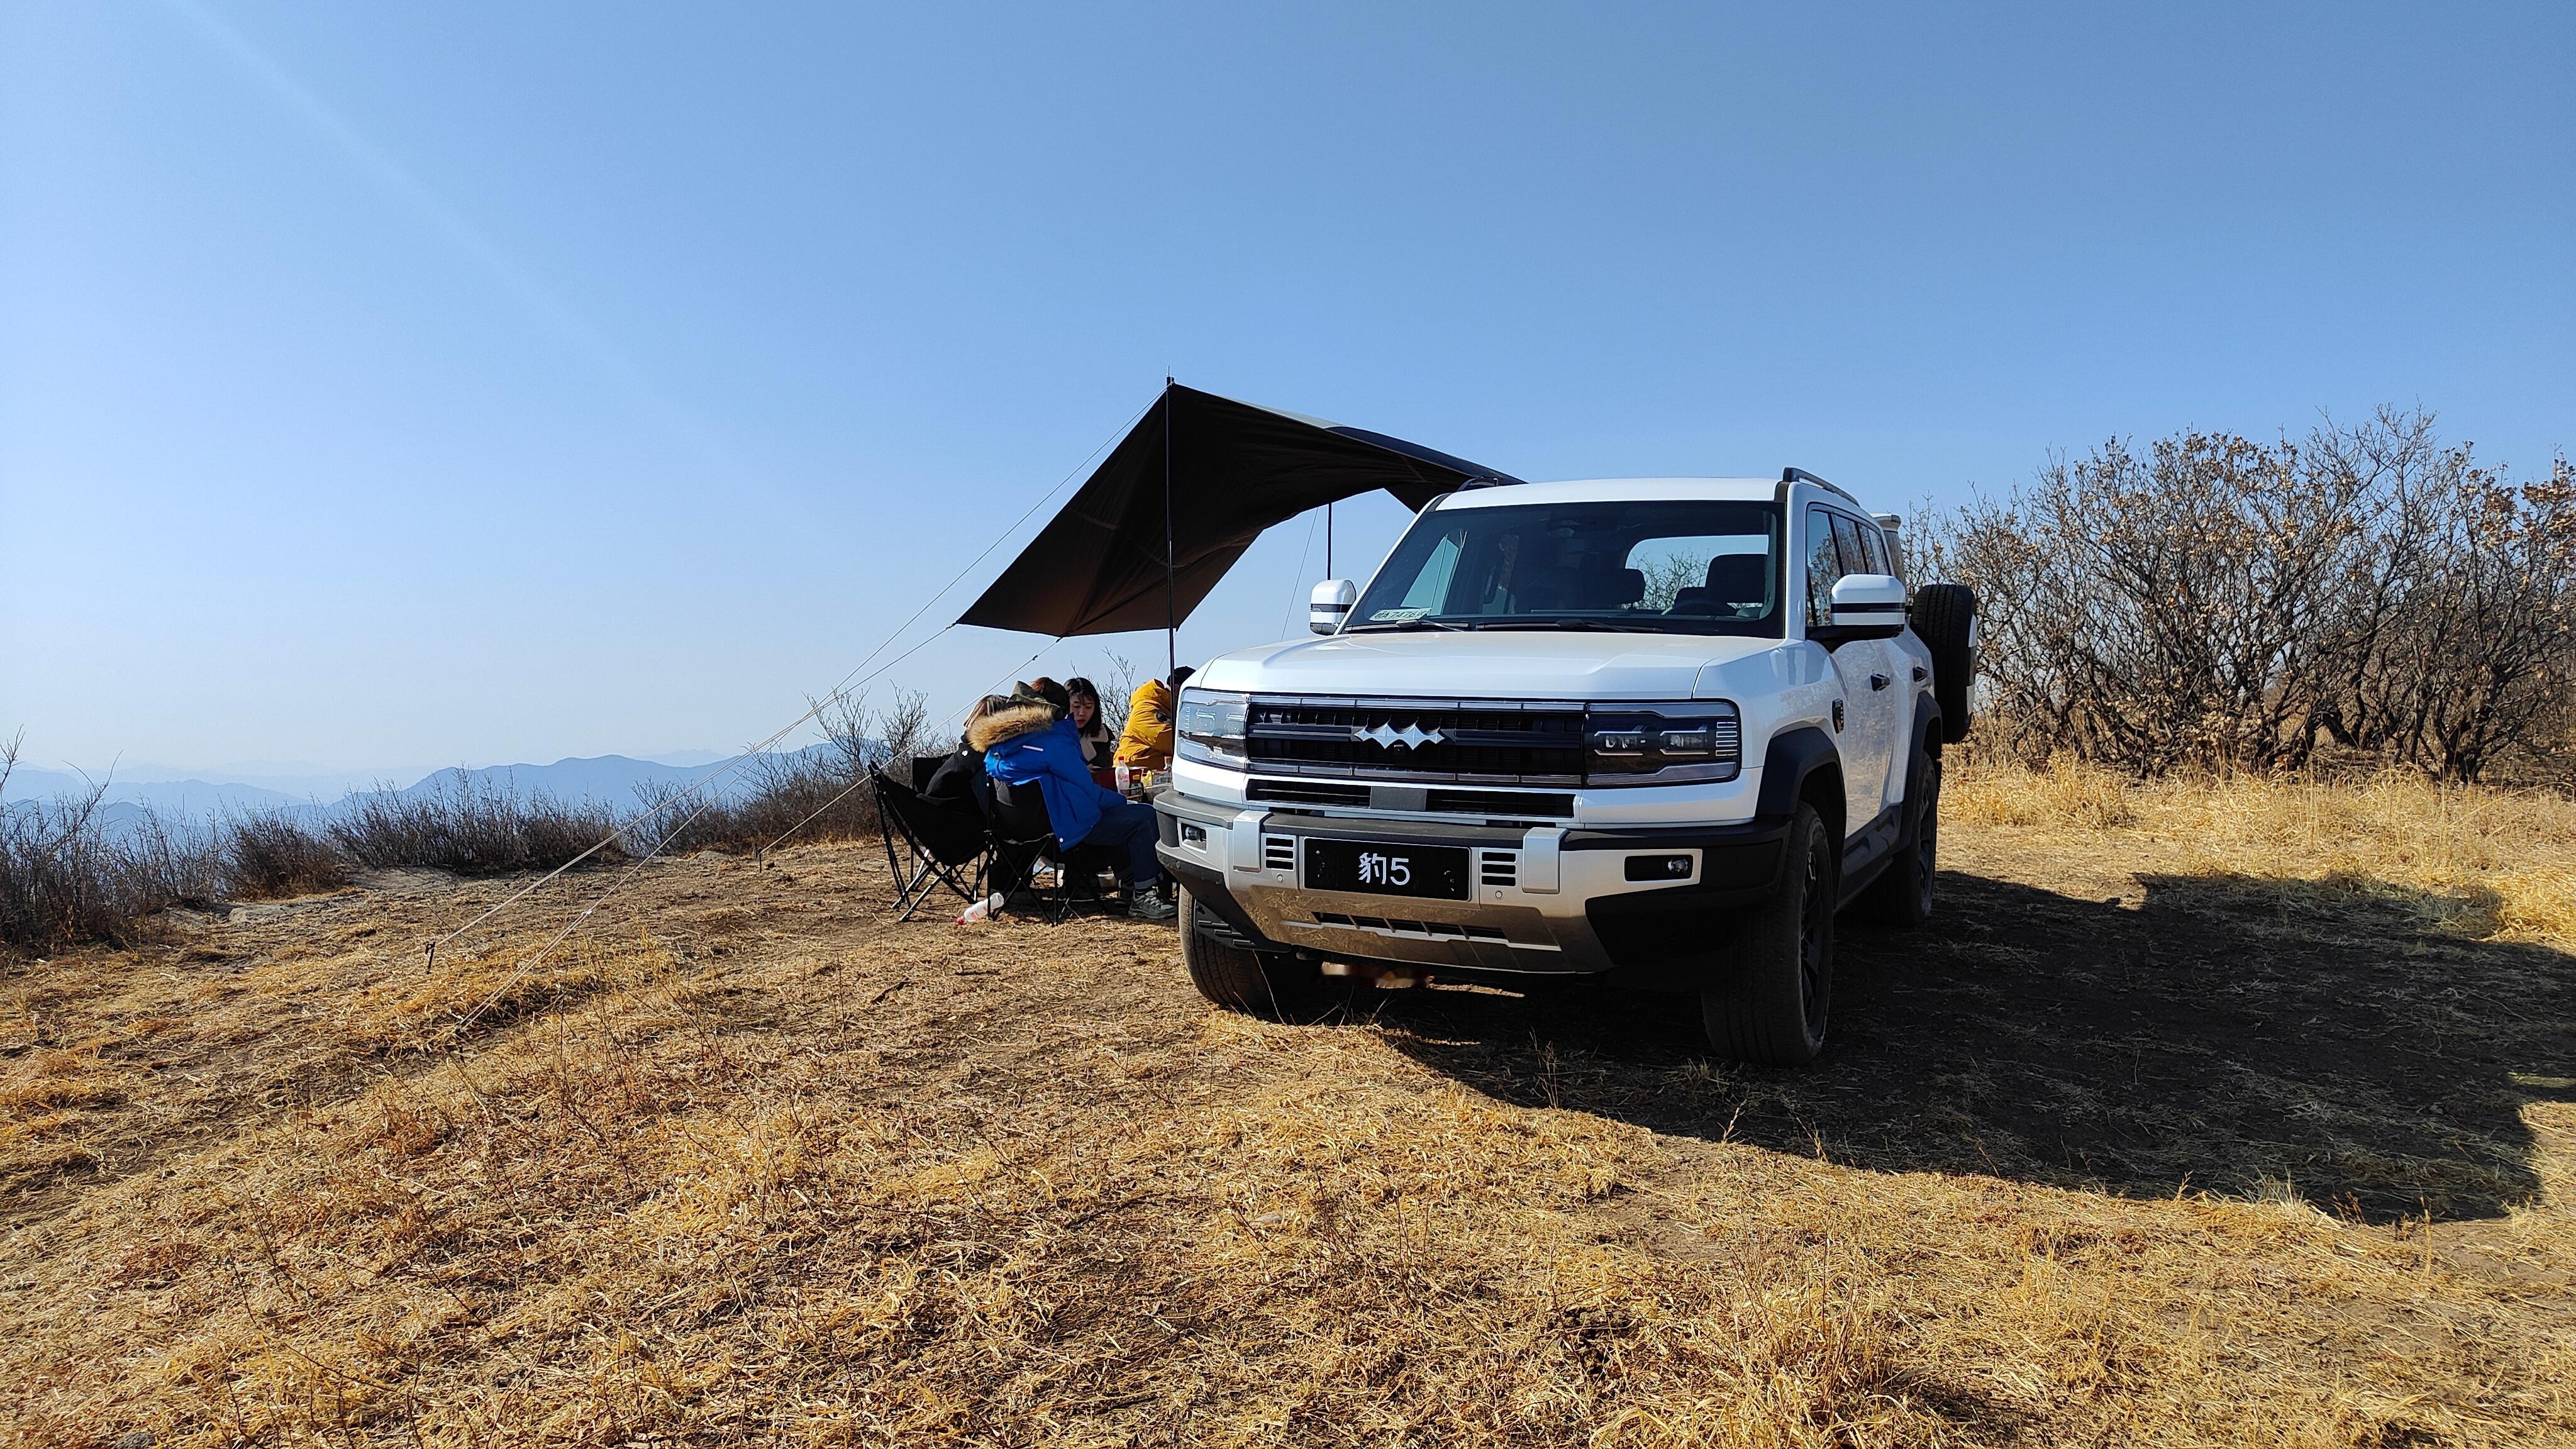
(276, 854)
(470, 828)
(1667, 575)
(2216, 603)
(68, 876)
(902, 728)
(811, 795)
(865, 739)
(1117, 686)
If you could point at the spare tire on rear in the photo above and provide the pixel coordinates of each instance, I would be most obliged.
(1945, 619)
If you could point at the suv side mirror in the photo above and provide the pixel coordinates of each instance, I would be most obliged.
(1330, 604)
(1867, 606)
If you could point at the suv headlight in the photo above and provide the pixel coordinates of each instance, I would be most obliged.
(1211, 725)
(1684, 742)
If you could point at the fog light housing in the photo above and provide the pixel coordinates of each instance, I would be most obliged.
(1659, 867)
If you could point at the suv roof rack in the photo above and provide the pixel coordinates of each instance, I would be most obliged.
(1801, 475)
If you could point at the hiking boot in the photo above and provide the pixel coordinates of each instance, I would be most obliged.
(1149, 905)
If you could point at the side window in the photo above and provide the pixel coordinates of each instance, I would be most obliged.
(1876, 542)
(1823, 567)
(1847, 536)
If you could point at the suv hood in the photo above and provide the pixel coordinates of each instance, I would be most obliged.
(1516, 664)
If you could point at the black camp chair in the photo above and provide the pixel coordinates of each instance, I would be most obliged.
(1023, 839)
(939, 840)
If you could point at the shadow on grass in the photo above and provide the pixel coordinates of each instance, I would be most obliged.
(2232, 1035)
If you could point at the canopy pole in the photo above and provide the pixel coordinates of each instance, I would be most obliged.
(1171, 573)
(1328, 543)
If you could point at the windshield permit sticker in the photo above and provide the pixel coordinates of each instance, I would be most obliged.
(1397, 616)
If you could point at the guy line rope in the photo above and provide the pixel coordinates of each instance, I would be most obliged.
(838, 691)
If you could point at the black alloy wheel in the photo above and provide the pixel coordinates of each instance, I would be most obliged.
(1816, 948)
(1268, 984)
(1770, 984)
(1927, 840)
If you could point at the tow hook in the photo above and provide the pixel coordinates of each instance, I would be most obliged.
(1384, 978)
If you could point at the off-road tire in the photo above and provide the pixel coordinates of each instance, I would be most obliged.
(1902, 894)
(1772, 981)
(1945, 619)
(1266, 984)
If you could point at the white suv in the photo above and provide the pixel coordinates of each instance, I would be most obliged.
(1663, 728)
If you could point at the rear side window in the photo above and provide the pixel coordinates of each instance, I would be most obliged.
(1880, 561)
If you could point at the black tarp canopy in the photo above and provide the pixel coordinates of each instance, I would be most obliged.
(1214, 473)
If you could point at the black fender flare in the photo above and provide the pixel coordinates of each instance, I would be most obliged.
(1927, 744)
(1928, 737)
(1792, 756)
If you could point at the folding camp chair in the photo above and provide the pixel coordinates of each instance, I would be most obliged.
(939, 841)
(1023, 838)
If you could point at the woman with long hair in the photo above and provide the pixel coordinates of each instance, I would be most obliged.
(1099, 746)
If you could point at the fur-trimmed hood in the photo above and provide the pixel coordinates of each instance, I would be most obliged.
(1024, 717)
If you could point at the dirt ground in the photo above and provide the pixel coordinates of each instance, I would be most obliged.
(2132, 1146)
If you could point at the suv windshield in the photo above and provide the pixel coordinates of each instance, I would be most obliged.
(1669, 566)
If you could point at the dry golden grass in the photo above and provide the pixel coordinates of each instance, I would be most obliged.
(758, 1166)
(2499, 862)
(437, 1008)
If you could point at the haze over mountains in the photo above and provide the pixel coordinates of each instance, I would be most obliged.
(184, 797)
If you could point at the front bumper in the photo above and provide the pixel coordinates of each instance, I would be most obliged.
(1551, 900)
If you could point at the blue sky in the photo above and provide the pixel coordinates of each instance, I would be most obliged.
(401, 385)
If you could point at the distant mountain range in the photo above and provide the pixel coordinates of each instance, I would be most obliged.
(609, 780)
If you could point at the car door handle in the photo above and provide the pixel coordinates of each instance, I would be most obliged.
(1878, 681)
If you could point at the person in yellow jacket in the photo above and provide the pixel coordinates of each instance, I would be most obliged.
(1146, 743)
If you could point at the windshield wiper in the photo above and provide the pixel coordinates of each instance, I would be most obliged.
(1396, 628)
(1572, 622)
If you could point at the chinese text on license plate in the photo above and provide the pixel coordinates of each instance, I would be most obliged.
(1437, 872)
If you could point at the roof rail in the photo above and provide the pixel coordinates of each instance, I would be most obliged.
(1801, 475)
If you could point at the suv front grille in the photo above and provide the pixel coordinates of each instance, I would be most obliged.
(1499, 802)
(1306, 792)
(1428, 741)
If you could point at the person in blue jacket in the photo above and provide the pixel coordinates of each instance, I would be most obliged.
(1031, 741)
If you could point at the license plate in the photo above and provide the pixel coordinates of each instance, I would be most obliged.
(1437, 872)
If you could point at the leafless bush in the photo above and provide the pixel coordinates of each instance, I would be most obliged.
(1117, 686)
(812, 795)
(470, 828)
(1667, 575)
(778, 794)
(865, 739)
(67, 876)
(2220, 603)
(903, 728)
(277, 854)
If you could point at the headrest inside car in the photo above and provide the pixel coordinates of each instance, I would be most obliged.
(1739, 578)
